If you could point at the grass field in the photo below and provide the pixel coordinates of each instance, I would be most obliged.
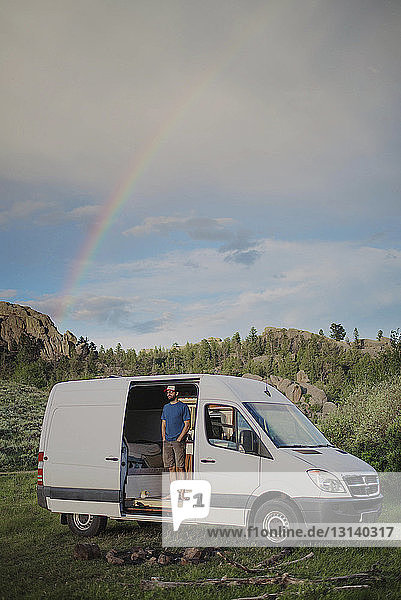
(37, 562)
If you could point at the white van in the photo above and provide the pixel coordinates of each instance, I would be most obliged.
(100, 455)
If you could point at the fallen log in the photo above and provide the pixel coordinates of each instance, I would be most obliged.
(258, 568)
(352, 587)
(282, 579)
(270, 595)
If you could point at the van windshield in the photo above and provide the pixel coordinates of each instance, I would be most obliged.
(286, 425)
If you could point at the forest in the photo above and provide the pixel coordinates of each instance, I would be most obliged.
(337, 370)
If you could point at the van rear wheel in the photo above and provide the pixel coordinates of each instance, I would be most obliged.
(86, 525)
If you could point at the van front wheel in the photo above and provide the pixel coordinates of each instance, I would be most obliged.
(86, 525)
(273, 518)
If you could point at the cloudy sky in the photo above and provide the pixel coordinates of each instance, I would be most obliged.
(177, 169)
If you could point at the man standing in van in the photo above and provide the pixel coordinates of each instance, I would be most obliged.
(175, 425)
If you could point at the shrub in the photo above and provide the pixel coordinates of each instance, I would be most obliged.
(368, 425)
(21, 413)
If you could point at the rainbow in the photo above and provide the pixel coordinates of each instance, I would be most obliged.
(126, 188)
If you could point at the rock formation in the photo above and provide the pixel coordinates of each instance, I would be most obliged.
(18, 321)
(295, 337)
(309, 398)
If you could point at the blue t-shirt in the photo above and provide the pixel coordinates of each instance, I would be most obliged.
(175, 415)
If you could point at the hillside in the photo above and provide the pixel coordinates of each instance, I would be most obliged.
(17, 321)
(311, 369)
(296, 337)
(21, 413)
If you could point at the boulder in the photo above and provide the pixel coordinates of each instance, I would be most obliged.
(318, 396)
(274, 380)
(294, 392)
(328, 407)
(113, 559)
(86, 551)
(302, 377)
(283, 385)
(252, 376)
(138, 554)
(191, 556)
(164, 559)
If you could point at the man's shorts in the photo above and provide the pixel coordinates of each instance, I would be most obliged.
(174, 454)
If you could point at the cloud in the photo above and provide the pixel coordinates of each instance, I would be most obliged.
(163, 299)
(240, 249)
(110, 311)
(7, 294)
(250, 101)
(57, 215)
(85, 212)
(45, 212)
(243, 257)
(237, 244)
(198, 228)
(22, 209)
(151, 326)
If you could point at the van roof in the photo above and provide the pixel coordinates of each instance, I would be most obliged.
(214, 387)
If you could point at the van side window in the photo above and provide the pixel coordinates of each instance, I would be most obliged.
(227, 428)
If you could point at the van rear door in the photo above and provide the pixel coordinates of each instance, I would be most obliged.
(82, 452)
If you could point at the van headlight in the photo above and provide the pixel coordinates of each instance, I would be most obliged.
(326, 481)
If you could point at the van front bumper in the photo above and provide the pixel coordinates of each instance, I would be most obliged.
(346, 510)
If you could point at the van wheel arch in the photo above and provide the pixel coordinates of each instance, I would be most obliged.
(86, 525)
(271, 497)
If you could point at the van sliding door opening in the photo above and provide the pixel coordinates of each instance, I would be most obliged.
(143, 440)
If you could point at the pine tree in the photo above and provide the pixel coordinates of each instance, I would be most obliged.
(337, 331)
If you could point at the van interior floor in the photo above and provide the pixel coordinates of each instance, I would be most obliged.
(148, 505)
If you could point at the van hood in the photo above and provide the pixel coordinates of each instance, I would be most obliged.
(330, 459)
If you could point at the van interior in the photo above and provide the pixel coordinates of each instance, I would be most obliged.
(142, 437)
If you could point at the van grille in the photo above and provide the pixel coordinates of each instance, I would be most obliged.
(362, 485)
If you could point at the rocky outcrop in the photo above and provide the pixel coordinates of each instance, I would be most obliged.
(309, 398)
(289, 388)
(294, 338)
(301, 392)
(18, 321)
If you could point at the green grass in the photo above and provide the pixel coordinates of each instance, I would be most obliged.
(21, 413)
(37, 562)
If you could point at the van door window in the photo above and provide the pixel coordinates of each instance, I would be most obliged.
(227, 428)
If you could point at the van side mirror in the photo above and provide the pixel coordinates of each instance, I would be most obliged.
(249, 441)
(251, 444)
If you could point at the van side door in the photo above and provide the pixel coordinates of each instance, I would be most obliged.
(226, 456)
